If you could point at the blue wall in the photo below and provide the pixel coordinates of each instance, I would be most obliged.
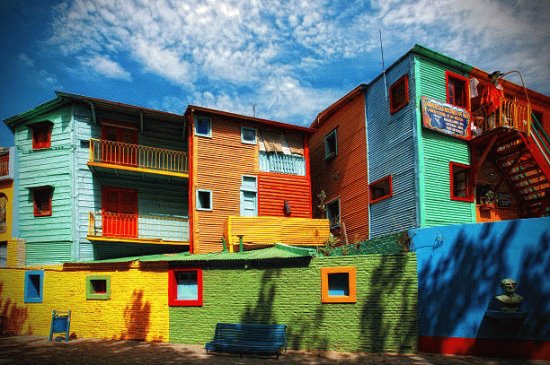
(459, 273)
(391, 151)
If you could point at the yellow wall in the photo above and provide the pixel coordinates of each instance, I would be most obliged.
(6, 188)
(138, 308)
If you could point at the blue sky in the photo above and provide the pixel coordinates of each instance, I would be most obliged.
(289, 58)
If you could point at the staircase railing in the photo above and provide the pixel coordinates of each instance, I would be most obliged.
(541, 137)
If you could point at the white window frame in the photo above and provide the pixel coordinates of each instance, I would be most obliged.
(328, 156)
(255, 135)
(198, 191)
(201, 118)
(337, 224)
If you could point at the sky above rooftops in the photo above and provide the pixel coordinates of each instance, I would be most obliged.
(290, 59)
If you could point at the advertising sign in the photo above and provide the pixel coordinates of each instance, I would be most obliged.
(445, 118)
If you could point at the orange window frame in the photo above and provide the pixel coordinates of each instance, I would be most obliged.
(469, 195)
(404, 83)
(451, 79)
(372, 186)
(42, 201)
(173, 300)
(351, 271)
(41, 135)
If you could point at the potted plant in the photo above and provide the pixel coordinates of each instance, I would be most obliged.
(488, 200)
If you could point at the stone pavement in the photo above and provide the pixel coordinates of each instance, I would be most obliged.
(37, 350)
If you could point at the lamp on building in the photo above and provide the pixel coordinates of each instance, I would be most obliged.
(497, 75)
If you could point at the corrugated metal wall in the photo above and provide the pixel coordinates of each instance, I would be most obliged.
(344, 176)
(274, 189)
(437, 150)
(221, 162)
(48, 239)
(391, 149)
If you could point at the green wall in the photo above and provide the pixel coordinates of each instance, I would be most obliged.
(48, 239)
(436, 150)
(289, 292)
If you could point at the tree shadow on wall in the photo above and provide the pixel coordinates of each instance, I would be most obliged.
(136, 318)
(301, 334)
(388, 316)
(14, 317)
(458, 285)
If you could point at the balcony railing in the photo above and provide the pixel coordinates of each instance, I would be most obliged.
(137, 157)
(134, 227)
(510, 114)
(283, 164)
(271, 230)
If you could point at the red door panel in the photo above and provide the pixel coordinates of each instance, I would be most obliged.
(123, 153)
(120, 212)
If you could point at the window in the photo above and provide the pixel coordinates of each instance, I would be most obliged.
(248, 135)
(98, 287)
(3, 254)
(34, 286)
(249, 197)
(203, 126)
(457, 90)
(42, 197)
(185, 287)
(41, 135)
(399, 94)
(204, 200)
(460, 182)
(333, 213)
(331, 145)
(338, 284)
(381, 189)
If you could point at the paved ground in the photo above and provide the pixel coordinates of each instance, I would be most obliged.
(37, 350)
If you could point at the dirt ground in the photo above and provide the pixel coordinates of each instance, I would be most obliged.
(38, 350)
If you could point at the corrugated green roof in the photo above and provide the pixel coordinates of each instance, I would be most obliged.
(279, 251)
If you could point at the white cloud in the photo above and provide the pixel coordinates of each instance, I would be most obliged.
(106, 67)
(226, 53)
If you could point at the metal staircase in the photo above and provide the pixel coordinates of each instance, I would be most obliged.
(523, 157)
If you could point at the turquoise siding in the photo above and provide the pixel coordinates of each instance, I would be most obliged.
(157, 195)
(436, 151)
(48, 239)
(391, 151)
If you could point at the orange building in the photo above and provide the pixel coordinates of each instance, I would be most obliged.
(248, 180)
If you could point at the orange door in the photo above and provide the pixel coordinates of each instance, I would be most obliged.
(122, 153)
(120, 212)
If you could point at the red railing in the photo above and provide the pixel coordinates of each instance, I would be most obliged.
(510, 114)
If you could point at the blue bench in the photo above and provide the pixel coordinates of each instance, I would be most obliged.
(244, 338)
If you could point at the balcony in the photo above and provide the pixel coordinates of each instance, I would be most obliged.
(260, 231)
(137, 158)
(510, 114)
(134, 228)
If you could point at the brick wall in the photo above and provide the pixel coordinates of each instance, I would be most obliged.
(382, 319)
(137, 309)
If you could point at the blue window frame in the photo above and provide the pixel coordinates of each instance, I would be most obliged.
(34, 290)
(203, 126)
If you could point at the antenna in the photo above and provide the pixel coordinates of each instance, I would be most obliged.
(383, 65)
(253, 109)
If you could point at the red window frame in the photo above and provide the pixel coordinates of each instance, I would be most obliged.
(42, 201)
(173, 289)
(41, 135)
(402, 82)
(385, 196)
(450, 79)
(469, 195)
